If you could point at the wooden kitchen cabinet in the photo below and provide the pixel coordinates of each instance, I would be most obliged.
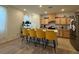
(46, 21)
(63, 21)
(57, 20)
(59, 33)
(68, 21)
(64, 33)
(42, 21)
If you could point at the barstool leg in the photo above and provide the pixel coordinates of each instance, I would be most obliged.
(54, 46)
(44, 43)
(29, 39)
(26, 39)
(22, 39)
(35, 42)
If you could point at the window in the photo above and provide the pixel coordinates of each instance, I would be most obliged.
(3, 18)
(27, 21)
(26, 18)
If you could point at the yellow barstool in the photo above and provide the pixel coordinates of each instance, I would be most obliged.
(32, 34)
(40, 33)
(40, 36)
(51, 36)
(25, 34)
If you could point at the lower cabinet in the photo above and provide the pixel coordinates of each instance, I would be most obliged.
(64, 33)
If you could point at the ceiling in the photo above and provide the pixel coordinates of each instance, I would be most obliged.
(48, 8)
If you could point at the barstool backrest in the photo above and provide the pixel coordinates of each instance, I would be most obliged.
(40, 33)
(25, 32)
(32, 33)
(51, 35)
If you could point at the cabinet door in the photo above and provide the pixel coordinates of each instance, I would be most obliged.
(58, 20)
(42, 21)
(63, 20)
(60, 33)
(68, 20)
(46, 21)
(66, 33)
(51, 17)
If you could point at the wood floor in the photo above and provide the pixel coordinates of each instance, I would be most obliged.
(16, 47)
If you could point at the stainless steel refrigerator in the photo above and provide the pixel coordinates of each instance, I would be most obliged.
(74, 34)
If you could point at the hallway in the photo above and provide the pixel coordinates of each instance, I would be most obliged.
(16, 47)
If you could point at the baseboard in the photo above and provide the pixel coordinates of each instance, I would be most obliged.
(9, 40)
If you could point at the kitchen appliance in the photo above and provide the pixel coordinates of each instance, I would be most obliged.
(74, 39)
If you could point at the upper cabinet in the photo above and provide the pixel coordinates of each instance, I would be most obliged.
(57, 20)
(63, 21)
(68, 21)
(45, 19)
(51, 17)
(42, 21)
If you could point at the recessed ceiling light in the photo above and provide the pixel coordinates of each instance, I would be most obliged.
(45, 12)
(24, 9)
(40, 5)
(62, 10)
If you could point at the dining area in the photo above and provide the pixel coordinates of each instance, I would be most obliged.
(40, 37)
(33, 31)
(39, 29)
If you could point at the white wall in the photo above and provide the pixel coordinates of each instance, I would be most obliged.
(35, 20)
(14, 21)
(15, 18)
